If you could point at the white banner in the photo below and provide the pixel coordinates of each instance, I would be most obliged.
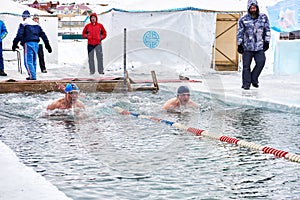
(171, 38)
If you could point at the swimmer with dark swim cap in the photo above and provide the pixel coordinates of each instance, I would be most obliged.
(181, 101)
(70, 100)
(183, 89)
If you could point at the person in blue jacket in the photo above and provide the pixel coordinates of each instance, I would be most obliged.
(253, 38)
(3, 33)
(29, 34)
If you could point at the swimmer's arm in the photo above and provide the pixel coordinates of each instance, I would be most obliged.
(193, 104)
(80, 105)
(61, 87)
(51, 107)
(54, 105)
(171, 104)
(167, 105)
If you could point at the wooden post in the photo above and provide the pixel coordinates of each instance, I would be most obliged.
(128, 82)
(154, 81)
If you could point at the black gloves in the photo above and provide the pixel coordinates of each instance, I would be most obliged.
(86, 35)
(15, 46)
(266, 46)
(48, 47)
(240, 49)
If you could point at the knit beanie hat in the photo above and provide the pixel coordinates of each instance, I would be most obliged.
(26, 14)
(35, 16)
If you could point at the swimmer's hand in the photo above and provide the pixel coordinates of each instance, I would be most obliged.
(60, 86)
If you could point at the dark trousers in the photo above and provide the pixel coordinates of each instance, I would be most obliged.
(41, 57)
(248, 76)
(91, 51)
(1, 58)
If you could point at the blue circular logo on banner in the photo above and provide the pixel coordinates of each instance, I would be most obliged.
(151, 39)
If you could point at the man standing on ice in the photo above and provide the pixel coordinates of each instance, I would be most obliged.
(95, 33)
(253, 38)
(29, 34)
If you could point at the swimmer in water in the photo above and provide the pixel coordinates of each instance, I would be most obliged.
(69, 101)
(182, 101)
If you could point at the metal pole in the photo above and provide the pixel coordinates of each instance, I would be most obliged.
(124, 57)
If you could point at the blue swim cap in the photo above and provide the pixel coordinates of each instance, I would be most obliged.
(71, 87)
(183, 89)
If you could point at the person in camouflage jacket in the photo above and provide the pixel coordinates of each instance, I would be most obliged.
(253, 39)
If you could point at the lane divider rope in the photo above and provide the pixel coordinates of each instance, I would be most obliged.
(223, 138)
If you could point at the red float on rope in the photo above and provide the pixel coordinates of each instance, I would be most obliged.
(224, 138)
(196, 131)
(125, 112)
(155, 119)
(275, 152)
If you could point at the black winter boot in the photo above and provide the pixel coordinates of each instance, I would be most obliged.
(2, 73)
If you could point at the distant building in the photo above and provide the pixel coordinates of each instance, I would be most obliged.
(46, 6)
(74, 22)
(72, 18)
(71, 24)
(77, 9)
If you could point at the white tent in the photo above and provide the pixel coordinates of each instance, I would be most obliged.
(197, 33)
(157, 5)
(172, 32)
(11, 12)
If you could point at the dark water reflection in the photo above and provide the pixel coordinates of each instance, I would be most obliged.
(110, 156)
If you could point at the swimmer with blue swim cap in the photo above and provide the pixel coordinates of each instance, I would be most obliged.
(71, 87)
(70, 100)
(181, 101)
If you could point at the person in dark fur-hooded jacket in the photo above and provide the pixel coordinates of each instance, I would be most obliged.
(95, 33)
(253, 38)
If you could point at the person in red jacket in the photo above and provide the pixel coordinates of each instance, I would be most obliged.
(95, 33)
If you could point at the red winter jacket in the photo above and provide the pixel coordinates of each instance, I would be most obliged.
(92, 32)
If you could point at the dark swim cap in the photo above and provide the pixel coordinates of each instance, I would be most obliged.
(183, 89)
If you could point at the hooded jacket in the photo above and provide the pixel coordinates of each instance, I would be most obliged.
(94, 32)
(30, 31)
(253, 32)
